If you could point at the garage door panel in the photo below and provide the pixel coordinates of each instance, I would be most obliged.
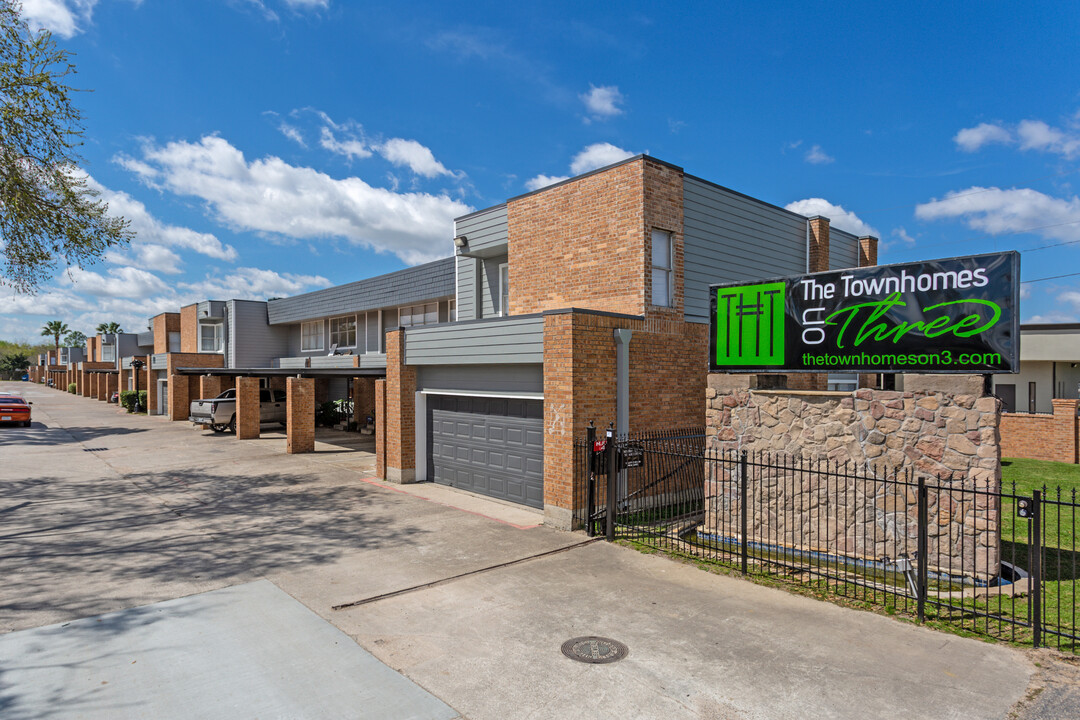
(492, 446)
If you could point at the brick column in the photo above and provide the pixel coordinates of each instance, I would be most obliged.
(103, 387)
(400, 413)
(247, 408)
(868, 251)
(210, 386)
(84, 388)
(363, 392)
(300, 414)
(1065, 421)
(180, 396)
(380, 429)
(819, 244)
(147, 382)
(112, 384)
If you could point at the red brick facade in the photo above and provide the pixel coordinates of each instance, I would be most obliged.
(189, 329)
(247, 408)
(300, 411)
(1042, 437)
(162, 325)
(397, 423)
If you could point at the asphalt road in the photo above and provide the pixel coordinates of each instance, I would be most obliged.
(103, 512)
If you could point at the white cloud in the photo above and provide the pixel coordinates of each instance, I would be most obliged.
(271, 196)
(308, 4)
(1052, 317)
(293, 133)
(838, 216)
(602, 102)
(351, 147)
(65, 18)
(413, 155)
(596, 156)
(254, 284)
(1037, 135)
(151, 230)
(901, 238)
(1034, 135)
(996, 211)
(148, 257)
(541, 181)
(120, 282)
(973, 138)
(816, 156)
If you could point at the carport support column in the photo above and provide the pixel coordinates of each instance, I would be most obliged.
(112, 384)
(210, 386)
(363, 392)
(300, 415)
(247, 408)
(179, 396)
(103, 386)
(380, 429)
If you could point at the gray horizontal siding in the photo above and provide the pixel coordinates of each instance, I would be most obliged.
(482, 378)
(157, 361)
(486, 230)
(843, 249)
(467, 273)
(212, 309)
(509, 341)
(251, 341)
(332, 361)
(373, 360)
(145, 339)
(293, 362)
(729, 237)
(405, 287)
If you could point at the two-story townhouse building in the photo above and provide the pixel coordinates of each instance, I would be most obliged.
(585, 300)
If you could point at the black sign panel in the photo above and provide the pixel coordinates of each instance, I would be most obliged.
(632, 456)
(958, 315)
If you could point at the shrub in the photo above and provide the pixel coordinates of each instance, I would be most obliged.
(127, 400)
(72, 387)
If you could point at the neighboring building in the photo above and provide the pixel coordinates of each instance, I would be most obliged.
(554, 290)
(1049, 369)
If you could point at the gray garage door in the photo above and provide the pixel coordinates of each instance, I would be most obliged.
(493, 446)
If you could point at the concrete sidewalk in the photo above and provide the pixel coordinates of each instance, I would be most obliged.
(107, 511)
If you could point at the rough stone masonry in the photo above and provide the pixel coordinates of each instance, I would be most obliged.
(950, 439)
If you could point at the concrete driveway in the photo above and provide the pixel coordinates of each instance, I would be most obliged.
(103, 511)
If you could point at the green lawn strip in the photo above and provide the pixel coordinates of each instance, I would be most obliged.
(1059, 521)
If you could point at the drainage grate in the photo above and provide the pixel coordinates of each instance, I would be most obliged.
(94, 449)
(594, 650)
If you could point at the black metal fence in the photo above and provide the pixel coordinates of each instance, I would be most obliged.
(962, 552)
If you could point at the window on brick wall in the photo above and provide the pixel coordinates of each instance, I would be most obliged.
(663, 277)
(343, 331)
(211, 337)
(311, 335)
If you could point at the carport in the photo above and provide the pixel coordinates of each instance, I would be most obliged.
(103, 383)
(300, 392)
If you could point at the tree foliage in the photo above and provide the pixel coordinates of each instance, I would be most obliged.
(48, 212)
(54, 329)
(74, 339)
(13, 365)
(108, 328)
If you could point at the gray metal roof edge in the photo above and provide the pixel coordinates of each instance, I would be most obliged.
(575, 178)
(479, 212)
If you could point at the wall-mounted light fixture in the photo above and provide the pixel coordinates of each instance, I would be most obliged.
(461, 242)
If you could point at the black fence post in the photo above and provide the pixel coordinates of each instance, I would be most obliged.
(612, 483)
(744, 510)
(590, 478)
(923, 549)
(1036, 568)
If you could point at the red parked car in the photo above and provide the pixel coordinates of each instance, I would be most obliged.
(13, 409)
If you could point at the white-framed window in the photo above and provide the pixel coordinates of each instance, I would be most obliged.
(343, 331)
(663, 277)
(451, 309)
(211, 337)
(311, 335)
(426, 314)
(108, 353)
(504, 289)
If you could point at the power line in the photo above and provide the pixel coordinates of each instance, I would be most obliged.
(973, 192)
(1054, 277)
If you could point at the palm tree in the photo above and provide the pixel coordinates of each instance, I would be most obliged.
(109, 328)
(55, 328)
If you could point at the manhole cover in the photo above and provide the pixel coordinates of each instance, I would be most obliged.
(594, 650)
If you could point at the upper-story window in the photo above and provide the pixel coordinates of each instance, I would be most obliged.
(427, 314)
(211, 337)
(504, 289)
(108, 353)
(343, 331)
(663, 277)
(311, 335)
(451, 310)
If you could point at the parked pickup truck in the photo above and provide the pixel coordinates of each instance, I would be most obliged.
(220, 413)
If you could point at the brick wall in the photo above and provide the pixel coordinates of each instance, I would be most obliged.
(179, 406)
(210, 386)
(163, 324)
(189, 329)
(1042, 437)
(247, 407)
(363, 390)
(400, 414)
(300, 410)
(668, 365)
(819, 244)
(581, 244)
(92, 349)
(180, 396)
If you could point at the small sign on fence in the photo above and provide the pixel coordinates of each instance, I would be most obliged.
(632, 456)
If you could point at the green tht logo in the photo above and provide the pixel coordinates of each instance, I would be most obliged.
(750, 325)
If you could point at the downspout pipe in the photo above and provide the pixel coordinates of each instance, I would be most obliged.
(622, 380)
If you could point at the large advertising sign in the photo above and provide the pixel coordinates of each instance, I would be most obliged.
(958, 315)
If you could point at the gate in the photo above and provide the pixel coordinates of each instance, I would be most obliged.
(947, 551)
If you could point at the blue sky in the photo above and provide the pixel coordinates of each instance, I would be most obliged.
(264, 148)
